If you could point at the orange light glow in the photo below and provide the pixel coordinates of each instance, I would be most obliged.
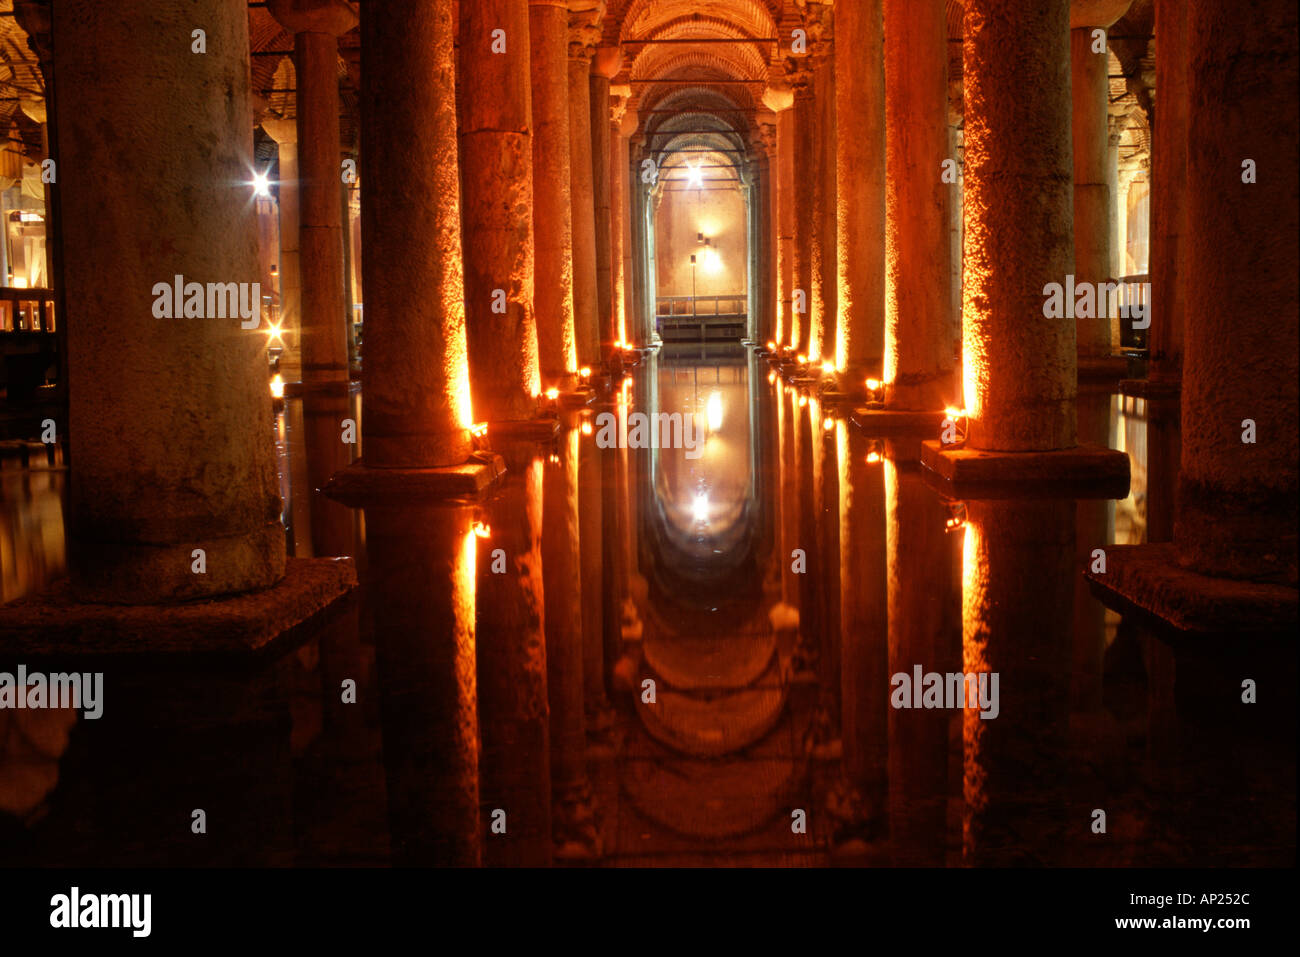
(478, 429)
(481, 530)
(828, 424)
(277, 387)
(803, 400)
(585, 372)
(873, 458)
(873, 385)
(586, 428)
(552, 394)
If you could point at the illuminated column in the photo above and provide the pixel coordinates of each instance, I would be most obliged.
(417, 412)
(918, 369)
(497, 150)
(548, 30)
(420, 575)
(316, 27)
(767, 254)
(1236, 511)
(604, 65)
(1019, 374)
(515, 762)
(572, 824)
(590, 524)
(779, 97)
(821, 336)
(171, 416)
(802, 149)
(617, 209)
(1168, 227)
(584, 33)
(632, 321)
(1089, 121)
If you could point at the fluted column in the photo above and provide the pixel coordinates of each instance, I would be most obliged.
(171, 415)
(548, 31)
(497, 150)
(584, 33)
(918, 369)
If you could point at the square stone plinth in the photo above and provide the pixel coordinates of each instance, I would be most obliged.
(1151, 388)
(541, 429)
(1102, 369)
(882, 421)
(1085, 471)
(359, 486)
(53, 623)
(1147, 580)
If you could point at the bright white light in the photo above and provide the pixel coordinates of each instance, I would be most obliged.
(712, 263)
(696, 177)
(701, 507)
(261, 185)
(713, 411)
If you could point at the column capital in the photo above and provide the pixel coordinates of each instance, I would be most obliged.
(1097, 13)
(779, 95)
(280, 129)
(335, 17)
(766, 136)
(607, 61)
(585, 18)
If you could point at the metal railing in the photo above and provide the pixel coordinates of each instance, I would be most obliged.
(701, 306)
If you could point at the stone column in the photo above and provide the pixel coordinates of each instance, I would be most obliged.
(1236, 512)
(1089, 96)
(497, 191)
(767, 256)
(1168, 196)
(316, 26)
(618, 97)
(416, 370)
(632, 322)
(821, 336)
(285, 134)
(604, 65)
(1019, 372)
(548, 30)
(802, 149)
(918, 370)
(170, 416)
(584, 33)
(787, 323)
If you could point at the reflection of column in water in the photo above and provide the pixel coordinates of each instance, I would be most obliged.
(420, 599)
(826, 469)
(614, 585)
(924, 629)
(514, 765)
(1164, 450)
(864, 683)
(809, 602)
(591, 547)
(1018, 574)
(1095, 528)
(788, 494)
(332, 524)
(575, 833)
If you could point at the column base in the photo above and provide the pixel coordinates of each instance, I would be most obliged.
(358, 485)
(341, 388)
(877, 420)
(53, 623)
(1098, 370)
(1147, 580)
(1085, 471)
(542, 429)
(1151, 388)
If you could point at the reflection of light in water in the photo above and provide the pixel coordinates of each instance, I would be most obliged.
(701, 508)
(714, 411)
